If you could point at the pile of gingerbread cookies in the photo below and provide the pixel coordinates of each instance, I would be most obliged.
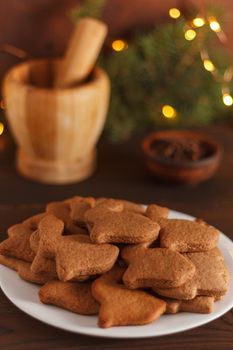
(127, 263)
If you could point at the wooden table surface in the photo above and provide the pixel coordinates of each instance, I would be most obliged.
(120, 173)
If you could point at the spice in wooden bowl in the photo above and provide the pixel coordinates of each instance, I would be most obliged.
(181, 156)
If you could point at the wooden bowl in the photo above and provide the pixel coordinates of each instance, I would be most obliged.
(182, 171)
(56, 130)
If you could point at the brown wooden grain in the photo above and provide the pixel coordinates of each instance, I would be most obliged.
(82, 52)
(121, 173)
(56, 130)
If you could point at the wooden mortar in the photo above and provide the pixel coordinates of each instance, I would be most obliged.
(56, 129)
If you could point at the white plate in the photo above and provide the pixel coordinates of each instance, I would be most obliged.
(24, 296)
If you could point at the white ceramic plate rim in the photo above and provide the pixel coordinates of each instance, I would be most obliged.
(24, 296)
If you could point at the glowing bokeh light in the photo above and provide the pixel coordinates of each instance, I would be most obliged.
(190, 34)
(198, 22)
(227, 99)
(209, 65)
(1, 128)
(174, 13)
(168, 111)
(119, 45)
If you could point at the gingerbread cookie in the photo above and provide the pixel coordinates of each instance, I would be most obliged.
(202, 305)
(120, 306)
(187, 270)
(10, 262)
(200, 221)
(102, 208)
(117, 226)
(155, 212)
(75, 297)
(43, 242)
(127, 205)
(31, 223)
(34, 221)
(34, 241)
(134, 207)
(156, 268)
(187, 236)
(76, 258)
(24, 271)
(210, 278)
(75, 255)
(78, 208)
(50, 232)
(63, 212)
(42, 264)
(17, 245)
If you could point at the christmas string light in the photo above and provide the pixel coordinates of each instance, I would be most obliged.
(224, 80)
(214, 24)
(198, 22)
(226, 96)
(1, 128)
(208, 65)
(215, 27)
(119, 45)
(168, 112)
(174, 13)
(190, 33)
(227, 99)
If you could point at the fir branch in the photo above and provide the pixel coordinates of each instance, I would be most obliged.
(160, 67)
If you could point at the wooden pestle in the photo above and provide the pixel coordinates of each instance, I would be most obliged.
(82, 52)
